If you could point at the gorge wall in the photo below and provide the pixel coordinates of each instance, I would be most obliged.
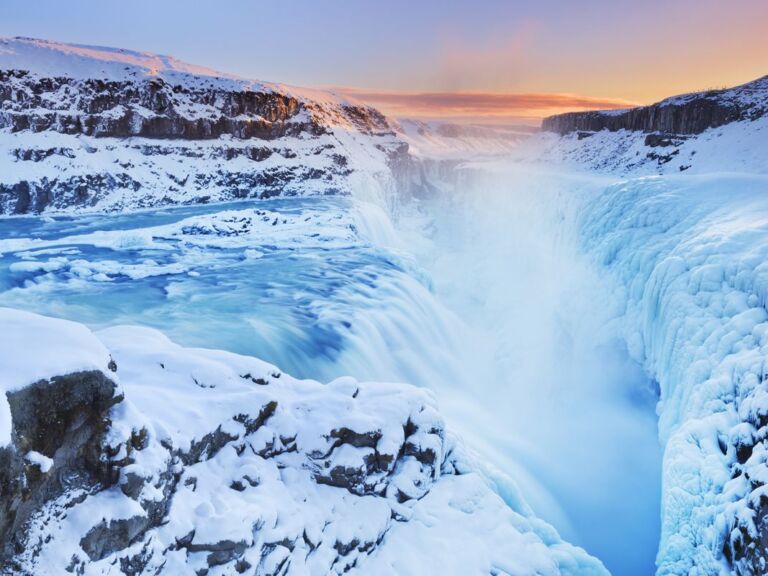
(92, 128)
(687, 114)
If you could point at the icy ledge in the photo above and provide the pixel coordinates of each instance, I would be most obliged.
(690, 256)
(205, 462)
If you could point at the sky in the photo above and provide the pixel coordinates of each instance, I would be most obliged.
(481, 59)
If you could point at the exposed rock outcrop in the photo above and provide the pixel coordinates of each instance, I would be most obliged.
(686, 114)
(58, 428)
(153, 108)
(149, 108)
(105, 129)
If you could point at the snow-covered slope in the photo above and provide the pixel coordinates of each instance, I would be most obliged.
(108, 129)
(203, 461)
(718, 130)
(738, 146)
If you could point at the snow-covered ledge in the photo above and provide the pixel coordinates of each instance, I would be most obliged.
(213, 461)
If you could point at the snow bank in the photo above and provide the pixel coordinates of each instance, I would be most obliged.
(35, 348)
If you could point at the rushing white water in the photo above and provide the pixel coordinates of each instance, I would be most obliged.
(557, 401)
(490, 304)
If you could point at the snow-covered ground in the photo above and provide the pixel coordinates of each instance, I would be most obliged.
(254, 469)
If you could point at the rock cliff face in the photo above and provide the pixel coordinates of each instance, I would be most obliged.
(154, 108)
(683, 115)
(98, 128)
(720, 130)
(61, 422)
(150, 108)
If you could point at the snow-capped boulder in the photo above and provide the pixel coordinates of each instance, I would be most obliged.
(57, 386)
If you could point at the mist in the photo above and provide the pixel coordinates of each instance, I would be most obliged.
(552, 398)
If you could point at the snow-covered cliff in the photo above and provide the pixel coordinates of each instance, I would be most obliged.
(688, 254)
(100, 128)
(679, 134)
(129, 454)
(685, 114)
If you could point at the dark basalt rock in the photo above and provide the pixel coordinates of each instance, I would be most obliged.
(88, 190)
(367, 439)
(690, 118)
(745, 544)
(64, 419)
(689, 114)
(219, 552)
(20, 195)
(155, 109)
(147, 108)
(368, 120)
(662, 140)
(39, 154)
(106, 538)
(26, 197)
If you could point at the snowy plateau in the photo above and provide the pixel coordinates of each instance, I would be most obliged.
(248, 328)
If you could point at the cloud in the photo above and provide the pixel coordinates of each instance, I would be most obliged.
(477, 105)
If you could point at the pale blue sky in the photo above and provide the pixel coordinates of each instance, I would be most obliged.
(635, 50)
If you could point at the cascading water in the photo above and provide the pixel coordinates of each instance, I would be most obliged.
(555, 392)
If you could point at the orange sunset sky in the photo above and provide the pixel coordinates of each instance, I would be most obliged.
(484, 60)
